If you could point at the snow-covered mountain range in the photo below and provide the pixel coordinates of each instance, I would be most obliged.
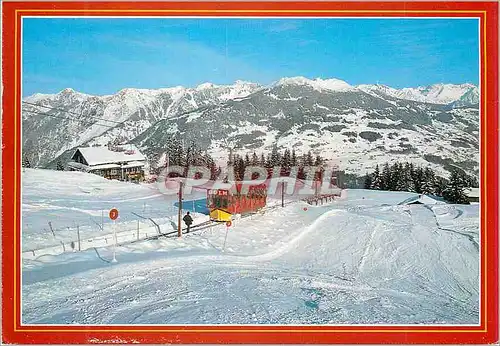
(437, 93)
(355, 126)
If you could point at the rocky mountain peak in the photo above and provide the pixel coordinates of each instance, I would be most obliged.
(319, 84)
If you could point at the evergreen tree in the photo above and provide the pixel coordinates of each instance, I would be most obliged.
(428, 186)
(339, 178)
(59, 166)
(440, 186)
(318, 161)
(469, 180)
(275, 157)
(269, 161)
(262, 161)
(247, 160)
(197, 156)
(175, 155)
(385, 177)
(255, 159)
(235, 165)
(309, 161)
(26, 162)
(407, 178)
(400, 183)
(412, 171)
(368, 182)
(286, 162)
(473, 182)
(175, 151)
(190, 154)
(239, 167)
(294, 158)
(419, 179)
(454, 191)
(394, 176)
(171, 149)
(153, 164)
(376, 179)
(463, 177)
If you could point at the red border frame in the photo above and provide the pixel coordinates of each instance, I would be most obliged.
(14, 332)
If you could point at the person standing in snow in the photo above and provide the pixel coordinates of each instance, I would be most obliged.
(188, 220)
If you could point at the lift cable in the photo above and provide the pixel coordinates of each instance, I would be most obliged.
(70, 112)
(62, 117)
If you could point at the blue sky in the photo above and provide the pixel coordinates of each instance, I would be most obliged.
(102, 56)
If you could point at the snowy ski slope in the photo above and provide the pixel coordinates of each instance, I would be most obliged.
(360, 259)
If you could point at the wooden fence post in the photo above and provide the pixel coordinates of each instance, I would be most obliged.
(50, 225)
(78, 234)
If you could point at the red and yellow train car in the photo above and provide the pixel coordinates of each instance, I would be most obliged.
(223, 203)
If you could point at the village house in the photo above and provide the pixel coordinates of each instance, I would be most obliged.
(121, 162)
(472, 194)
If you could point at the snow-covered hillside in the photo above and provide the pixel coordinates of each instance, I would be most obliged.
(355, 126)
(74, 199)
(363, 258)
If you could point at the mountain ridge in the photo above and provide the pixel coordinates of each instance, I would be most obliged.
(350, 122)
(334, 84)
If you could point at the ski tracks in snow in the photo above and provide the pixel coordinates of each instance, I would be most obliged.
(367, 248)
(260, 288)
(278, 252)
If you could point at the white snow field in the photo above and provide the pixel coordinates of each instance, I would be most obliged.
(76, 201)
(361, 259)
